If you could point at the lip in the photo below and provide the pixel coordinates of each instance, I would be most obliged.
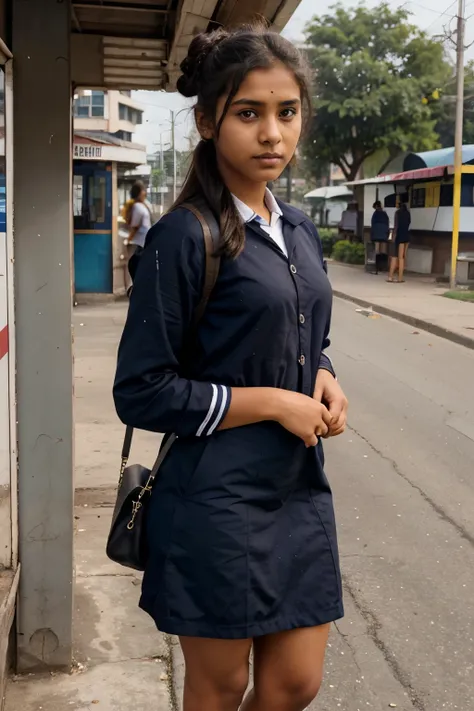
(269, 159)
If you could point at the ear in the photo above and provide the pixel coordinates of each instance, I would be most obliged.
(204, 126)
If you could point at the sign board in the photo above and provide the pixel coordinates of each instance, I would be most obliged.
(108, 152)
(84, 151)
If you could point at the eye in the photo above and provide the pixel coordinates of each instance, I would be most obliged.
(248, 114)
(288, 113)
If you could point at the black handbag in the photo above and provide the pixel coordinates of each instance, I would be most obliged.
(127, 540)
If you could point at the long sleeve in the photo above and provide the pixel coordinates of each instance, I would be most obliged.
(325, 362)
(151, 391)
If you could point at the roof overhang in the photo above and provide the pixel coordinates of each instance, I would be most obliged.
(407, 176)
(140, 44)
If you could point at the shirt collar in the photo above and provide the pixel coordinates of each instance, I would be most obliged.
(247, 214)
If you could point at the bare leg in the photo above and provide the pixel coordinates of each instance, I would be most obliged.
(402, 253)
(393, 267)
(217, 673)
(288, 670)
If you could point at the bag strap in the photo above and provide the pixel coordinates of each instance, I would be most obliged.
(211, 234)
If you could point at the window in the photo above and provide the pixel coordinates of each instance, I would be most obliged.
(127, 113)
(418, 196)
(97, 198)
(90, 105)
(78, 187)
(446, 196)
(124, 135)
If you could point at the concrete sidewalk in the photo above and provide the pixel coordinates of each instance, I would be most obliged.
(418, 302)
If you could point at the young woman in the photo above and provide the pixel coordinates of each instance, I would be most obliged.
(400, 243)
(241, 531)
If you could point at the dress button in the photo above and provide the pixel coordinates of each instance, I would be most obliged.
(302, 318)
(293, 269)
(302, 360)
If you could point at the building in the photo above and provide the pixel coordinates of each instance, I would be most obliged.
(104, 155)
(62, 45)
(425, 182)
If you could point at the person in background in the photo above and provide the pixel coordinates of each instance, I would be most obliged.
(138, 218)
(348, 223)
(400, 242)
(380, 228)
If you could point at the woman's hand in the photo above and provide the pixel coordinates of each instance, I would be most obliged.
(303, 416)
(329, 392)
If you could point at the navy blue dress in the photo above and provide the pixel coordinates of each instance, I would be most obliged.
(241, 524)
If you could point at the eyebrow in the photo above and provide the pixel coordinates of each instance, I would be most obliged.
(252, 102)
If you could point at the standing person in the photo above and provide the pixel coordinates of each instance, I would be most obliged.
(399, 245)
(138, 219)
(241, 531)
(348, 223)
(380, 227)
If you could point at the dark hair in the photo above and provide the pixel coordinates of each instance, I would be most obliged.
(403, 206)
(137, 189)
(217, 63)
(377, 204)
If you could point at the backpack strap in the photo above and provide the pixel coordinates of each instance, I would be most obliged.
(211, 234)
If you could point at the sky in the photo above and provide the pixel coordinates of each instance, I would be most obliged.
(434, 16)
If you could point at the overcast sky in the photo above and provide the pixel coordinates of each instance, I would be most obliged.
(430, 15)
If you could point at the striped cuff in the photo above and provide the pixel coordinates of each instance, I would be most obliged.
(220, 403)
(325, 363)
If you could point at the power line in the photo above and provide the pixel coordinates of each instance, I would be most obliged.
(442, 14)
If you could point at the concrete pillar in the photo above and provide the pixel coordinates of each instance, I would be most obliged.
(43, 239)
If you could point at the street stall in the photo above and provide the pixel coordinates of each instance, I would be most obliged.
(426, 185)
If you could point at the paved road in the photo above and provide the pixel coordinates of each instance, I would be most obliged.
(403, 478)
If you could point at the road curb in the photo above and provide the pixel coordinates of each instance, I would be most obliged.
(461, 340)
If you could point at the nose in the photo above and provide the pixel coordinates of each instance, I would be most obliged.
(270, 132)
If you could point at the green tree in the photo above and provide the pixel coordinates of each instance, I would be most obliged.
(444, 109)
(372, 71)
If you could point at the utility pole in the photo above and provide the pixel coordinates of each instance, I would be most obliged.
(173, 144)
(458, 140)
(163, 180)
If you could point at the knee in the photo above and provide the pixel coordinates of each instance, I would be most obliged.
(230, 689)
(291, 694)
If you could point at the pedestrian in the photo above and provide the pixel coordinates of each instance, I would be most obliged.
(400, 243)
(348, 223)
(242, 550)
(138, 219)
(380, 226)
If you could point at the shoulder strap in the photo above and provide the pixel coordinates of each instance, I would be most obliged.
(211, 234)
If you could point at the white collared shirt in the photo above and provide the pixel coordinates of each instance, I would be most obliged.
(274, 229)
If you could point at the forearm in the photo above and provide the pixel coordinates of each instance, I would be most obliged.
(251, 405)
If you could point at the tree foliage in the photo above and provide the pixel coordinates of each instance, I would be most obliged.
(372, 71)
(445, 109)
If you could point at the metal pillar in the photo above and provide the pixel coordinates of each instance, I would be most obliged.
(43, 239)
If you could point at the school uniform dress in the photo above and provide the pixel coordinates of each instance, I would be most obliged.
(241, 531)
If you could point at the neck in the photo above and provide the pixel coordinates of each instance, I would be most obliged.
(252, 194)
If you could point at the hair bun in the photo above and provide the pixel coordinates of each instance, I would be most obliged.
(199, 50)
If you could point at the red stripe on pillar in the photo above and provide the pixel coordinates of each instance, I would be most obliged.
(3, 342)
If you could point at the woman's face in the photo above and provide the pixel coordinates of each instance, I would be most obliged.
(262, 127)
(142, 196)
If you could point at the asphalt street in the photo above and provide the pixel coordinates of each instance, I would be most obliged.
(403, 480)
